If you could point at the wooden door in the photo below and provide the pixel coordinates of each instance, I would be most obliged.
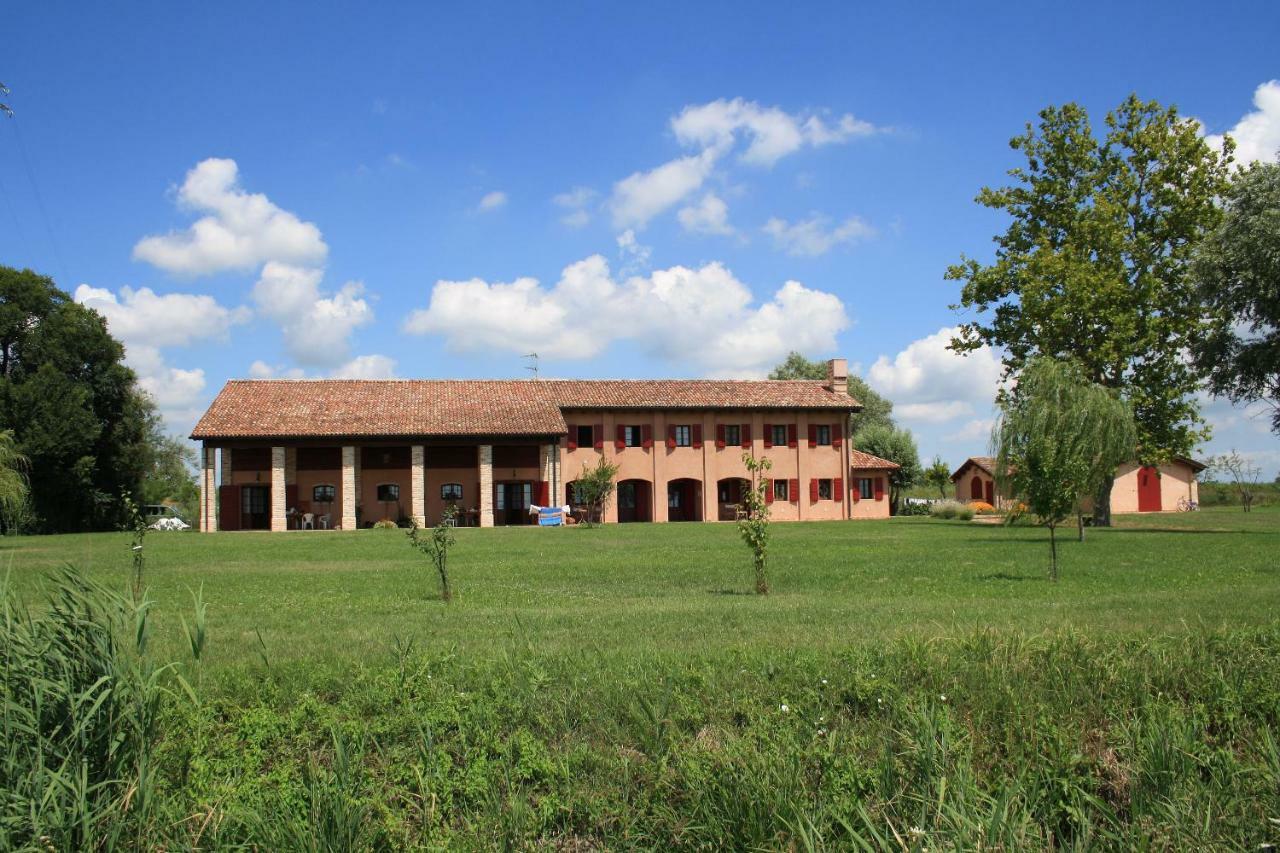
(228, 507)
(991, 492)
(975, 488)
(1149, 489)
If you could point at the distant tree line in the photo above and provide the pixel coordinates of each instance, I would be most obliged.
(86, 433)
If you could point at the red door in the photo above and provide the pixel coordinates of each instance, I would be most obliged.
(991, 493)
(1148, 489)
(975, 488)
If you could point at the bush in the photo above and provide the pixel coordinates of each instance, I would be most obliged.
(982, 507)
(385, 524)
(908, 508)
(952, 509)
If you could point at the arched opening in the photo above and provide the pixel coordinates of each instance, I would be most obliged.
(684, 500)
(634, 499)
(730, 493)
(975, 488)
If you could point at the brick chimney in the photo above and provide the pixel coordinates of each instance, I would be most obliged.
(838, 375)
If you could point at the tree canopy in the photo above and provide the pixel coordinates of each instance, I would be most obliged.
(1237, 269)
(73, 407)
(1094, 264)
(1057, 437)
(876, 410)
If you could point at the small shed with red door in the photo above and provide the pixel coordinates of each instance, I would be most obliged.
(975, 480)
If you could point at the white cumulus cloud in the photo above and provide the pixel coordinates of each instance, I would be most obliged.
(367, 367)
(238, 231)
(492, 201)
(709, 216)
(575, 203)
(1257, 134)
(641, 196)
(816, 235)
(930, 384)
(317, 326)
(771, 132)
(701, 318)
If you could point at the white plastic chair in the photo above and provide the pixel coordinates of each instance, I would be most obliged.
(324, 522)
(308, 521)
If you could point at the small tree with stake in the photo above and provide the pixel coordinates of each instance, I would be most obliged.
(1057, 436)
(753, 518)
(1243, 473)
(136, 523)
(436, 544)
(595, 487)
(938, 474)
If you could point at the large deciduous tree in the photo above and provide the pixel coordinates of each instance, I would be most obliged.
(1094, 265)
(876, 410)
(74, 408)
(1058, 435)
(1237, 269)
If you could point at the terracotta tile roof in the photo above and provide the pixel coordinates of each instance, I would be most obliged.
(986, 463)
(865, 461)
(299, 408)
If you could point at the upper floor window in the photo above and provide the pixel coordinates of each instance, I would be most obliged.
(451, 491)
(732, 435)
(780, 488)
(323, 494)
(633, 436)
(388, 492)
(779, 435)
(823, 432)
(585, 436)
(684, 436)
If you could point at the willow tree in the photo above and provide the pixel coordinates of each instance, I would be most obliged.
(13, 481)
(1094, 265)
(1057, 437)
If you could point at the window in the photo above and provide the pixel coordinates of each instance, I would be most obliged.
(632, 436)
(866, 488)
(824, 490)
(451, 491)
(388, 492)
(323, 494)
(585, 436)
(824, 435)
(779, 435)
(780, 486)
(732, 435)
(684, 436)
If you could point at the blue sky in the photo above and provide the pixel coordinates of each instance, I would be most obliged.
(666, 190)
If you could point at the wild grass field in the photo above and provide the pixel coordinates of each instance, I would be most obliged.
(908, 684)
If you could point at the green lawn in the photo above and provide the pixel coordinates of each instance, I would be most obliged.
(639, 589)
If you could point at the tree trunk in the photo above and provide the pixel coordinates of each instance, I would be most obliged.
(1053, 555)
(1080, 525)
(1102, 504)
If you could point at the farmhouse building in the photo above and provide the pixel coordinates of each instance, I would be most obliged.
(279, 454)
(1138, 488)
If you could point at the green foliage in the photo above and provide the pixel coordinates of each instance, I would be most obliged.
(938, 474)
(436, 547)
(74, 408)
(876, 410)
(753, 518)
(136, 524)
(1058, 438)
(595, 487)
(895, 445)
(1242, 473)
(1094, 264)
(13, 483)
(171, 475)
(952, 509)
(1237, 269)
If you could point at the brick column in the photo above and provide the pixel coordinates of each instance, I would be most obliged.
(278, 519)
(486, 485)
(349, 484)
(418, 484)
(208, 491)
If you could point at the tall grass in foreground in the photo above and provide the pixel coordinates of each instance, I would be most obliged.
(996, 740)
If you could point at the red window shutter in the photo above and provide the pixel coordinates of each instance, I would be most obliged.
(597, 434)
(879, 488)
(544, 493)
(793, 491)
(571, 441)
(768, 491)
(719, 436)
(697, 436)
(837, 489)
(813, 435)
(746, 436)
(621, 441)
(792, 441)
(229, 509)
(855, 489)
(646, 436)
(671, 436)
(813, 491)
(837, 436)
(768, 435)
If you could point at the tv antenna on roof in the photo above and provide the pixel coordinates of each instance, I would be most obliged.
(532, 367)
